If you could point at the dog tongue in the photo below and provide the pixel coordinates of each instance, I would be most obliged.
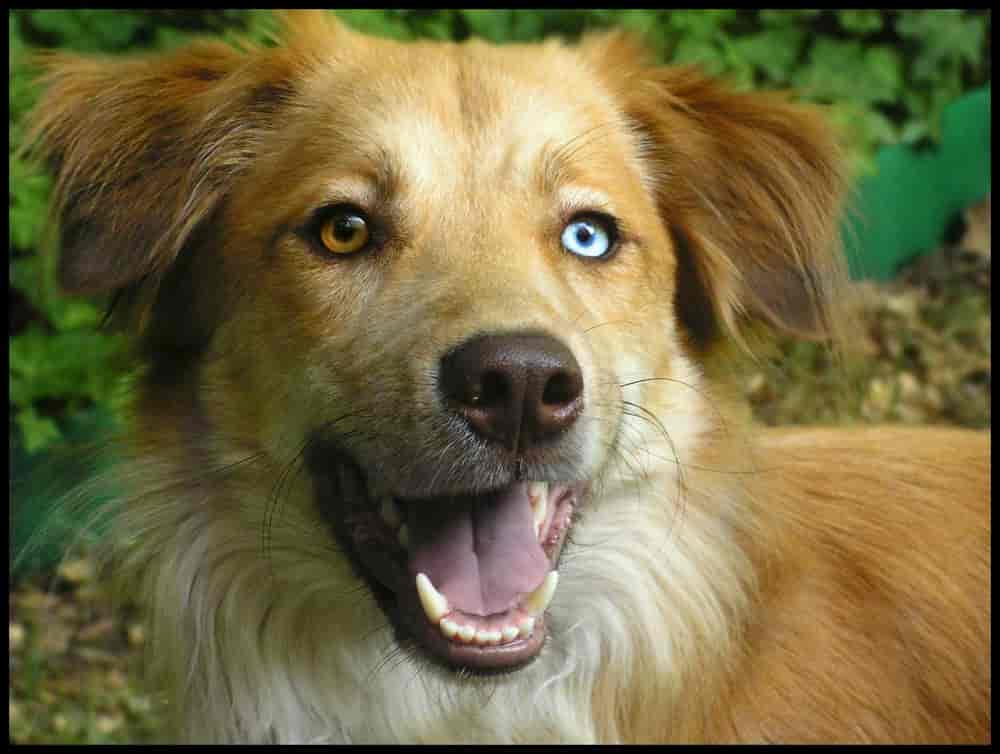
(479, 551)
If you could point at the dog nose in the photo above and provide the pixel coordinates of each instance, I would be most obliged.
(518, 390)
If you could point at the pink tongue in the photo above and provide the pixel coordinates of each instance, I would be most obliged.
(479, 551)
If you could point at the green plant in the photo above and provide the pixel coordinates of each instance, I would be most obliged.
(886, 75)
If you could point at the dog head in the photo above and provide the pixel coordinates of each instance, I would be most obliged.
(467, 284)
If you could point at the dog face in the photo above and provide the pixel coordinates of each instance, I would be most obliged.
(468, 286)
(445, 356)
(465, 224)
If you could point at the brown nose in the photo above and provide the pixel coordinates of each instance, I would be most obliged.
(517, 390)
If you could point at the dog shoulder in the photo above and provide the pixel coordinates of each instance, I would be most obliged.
(876, 607)
(910, 482)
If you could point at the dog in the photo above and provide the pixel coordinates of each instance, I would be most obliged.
(426, 446)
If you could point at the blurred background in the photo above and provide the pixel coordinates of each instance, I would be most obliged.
(909, 91)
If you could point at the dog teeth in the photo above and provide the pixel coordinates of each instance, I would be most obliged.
(390, 512)
(436, 607)
(484, 637)
(538, 495)
(434, 603)
(403, 535)
(481, 637)
(539, 599)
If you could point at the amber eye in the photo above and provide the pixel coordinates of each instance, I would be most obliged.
(344, 231)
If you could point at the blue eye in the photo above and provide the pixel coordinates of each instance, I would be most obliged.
(589, 236)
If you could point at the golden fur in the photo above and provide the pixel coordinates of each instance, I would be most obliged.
(724, 583)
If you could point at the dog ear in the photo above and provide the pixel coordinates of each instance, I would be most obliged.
(137, 147)
(144, 148)
(750, 186)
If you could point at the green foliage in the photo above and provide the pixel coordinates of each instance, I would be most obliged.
(886, 75)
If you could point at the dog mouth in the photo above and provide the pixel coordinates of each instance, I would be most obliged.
(469, 577)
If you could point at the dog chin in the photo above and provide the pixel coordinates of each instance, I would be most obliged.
(467, 577)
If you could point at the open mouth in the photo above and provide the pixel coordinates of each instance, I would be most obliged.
(469, 577)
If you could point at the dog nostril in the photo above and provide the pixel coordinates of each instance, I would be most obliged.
(494, 390)
(561, 388)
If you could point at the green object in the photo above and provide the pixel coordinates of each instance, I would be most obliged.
(46, 517)
(904, 209)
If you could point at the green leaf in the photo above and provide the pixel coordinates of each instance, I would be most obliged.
(773, 51)
(430, 24)
(15, 44)
(914, 131)
(787, 17)
(168, 38)
(73, 314)
(62, 23)
(23, 274)
(29, 196)
(704, 54)
(943, 37)
(494, 25)
(113, 30)
(860, 21)
(376, 22)
(642, 22)
(76, 364)
(705, 24)
(527, 27)
(885, 73)
(36, 431)
(846, 70)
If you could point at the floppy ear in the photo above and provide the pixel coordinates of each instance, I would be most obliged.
(137, 146)
(144, 148)
(750, 186)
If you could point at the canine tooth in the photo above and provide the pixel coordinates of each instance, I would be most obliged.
(538, 494)
(403, 535)
(509, 633)
(538, 490)
(449, 628)
(390, 512)
(525, 627)
(539, 599)
(466, 633)
(435, 604)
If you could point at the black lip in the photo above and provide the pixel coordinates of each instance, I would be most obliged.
(341, 493)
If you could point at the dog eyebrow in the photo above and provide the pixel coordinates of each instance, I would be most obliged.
(575, 197)
(554, 168)
(376, 166)
(555, 162)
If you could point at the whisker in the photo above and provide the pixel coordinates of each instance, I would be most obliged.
(655, 420)
(610, 322)
(702, 393)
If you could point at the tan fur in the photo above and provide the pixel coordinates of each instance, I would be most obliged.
(723, 583)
